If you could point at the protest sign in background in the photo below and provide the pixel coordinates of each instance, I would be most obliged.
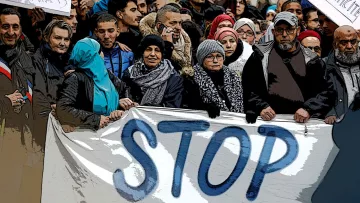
(341, 12)
(215, 160)
(60, 7)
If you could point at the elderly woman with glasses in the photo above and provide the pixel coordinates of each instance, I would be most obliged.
(214, 86)
(246, 29)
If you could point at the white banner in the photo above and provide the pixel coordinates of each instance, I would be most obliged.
(166, 155)
(60, 7)
(342, 12)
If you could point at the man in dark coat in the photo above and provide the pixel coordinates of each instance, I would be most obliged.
(343, 66)
(286, 78)
(21, 156)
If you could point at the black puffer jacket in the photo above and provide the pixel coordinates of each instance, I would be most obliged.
(75, 100)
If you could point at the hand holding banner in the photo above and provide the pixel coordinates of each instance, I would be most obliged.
(178, 155)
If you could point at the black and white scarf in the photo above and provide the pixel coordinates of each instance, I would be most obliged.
(209, 93)
(153, 83)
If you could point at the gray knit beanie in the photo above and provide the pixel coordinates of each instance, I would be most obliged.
(207, 47)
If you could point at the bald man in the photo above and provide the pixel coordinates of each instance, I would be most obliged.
(343, 66)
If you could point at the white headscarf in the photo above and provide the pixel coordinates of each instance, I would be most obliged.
(245, 21)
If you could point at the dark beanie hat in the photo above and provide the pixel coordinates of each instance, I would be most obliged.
(150, 40)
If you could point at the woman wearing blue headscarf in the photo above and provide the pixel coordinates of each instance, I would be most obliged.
(88, 97)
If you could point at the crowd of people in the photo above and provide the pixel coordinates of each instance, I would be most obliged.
(260, 58)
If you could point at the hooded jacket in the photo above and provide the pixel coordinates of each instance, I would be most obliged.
(318, 89)
(182, 59)
(75, 102)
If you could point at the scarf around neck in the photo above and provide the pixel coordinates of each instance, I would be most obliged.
(209, 93)
(153, 83)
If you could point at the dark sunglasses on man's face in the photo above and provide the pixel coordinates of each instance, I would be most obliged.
(345, 42)
(315, 48)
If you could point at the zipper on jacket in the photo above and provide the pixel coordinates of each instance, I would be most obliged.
(112, 65)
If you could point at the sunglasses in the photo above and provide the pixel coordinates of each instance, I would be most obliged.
(315, 48)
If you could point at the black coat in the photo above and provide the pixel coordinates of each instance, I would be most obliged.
(172, 96)
(22, 72)
(318, 91)
(75, 100)
(192, 97)
(337, 78)
(52, 67)
(131, 39)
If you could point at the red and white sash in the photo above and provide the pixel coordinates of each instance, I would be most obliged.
(4, 69)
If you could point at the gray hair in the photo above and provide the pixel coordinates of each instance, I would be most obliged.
(59, 24)
(160, 15)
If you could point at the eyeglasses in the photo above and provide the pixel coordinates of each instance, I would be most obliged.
(211, 57)
(315, 48)
(345, 42)
(280, 31)
(248, 33)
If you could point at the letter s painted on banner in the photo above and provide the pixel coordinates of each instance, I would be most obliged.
(138, 193)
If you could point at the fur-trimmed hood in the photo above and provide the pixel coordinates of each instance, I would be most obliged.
(183, 58)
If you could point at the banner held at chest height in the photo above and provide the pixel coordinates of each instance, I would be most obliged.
(178, 155)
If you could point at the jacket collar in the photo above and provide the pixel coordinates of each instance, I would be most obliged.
(264, 49)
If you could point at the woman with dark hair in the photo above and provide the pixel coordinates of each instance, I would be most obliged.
(152, 80)
(88, 97)
(214, 86)
(240, 9)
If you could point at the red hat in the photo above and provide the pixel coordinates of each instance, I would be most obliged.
(308, 33)
(217, 21)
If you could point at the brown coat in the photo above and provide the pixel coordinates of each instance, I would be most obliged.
(22, 163)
